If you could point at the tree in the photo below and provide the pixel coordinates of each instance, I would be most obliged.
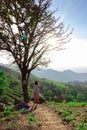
(80, 97)
(25, 27)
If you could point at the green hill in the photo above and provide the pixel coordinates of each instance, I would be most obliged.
(49, 90)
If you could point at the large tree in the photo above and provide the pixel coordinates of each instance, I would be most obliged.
(25, 27)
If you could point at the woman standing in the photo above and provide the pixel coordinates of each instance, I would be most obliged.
(36, 92)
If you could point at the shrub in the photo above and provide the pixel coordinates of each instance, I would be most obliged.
(65, 112)
(82, 126)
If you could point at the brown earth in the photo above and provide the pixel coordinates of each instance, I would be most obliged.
(46, 119)
(50, 119)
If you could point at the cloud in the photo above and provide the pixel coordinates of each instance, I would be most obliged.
(73, 56)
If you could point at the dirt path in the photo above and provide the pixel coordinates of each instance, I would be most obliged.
(48, 119)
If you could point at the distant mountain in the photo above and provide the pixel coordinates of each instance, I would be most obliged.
(50, 74)
(80, 69)
(64, 76)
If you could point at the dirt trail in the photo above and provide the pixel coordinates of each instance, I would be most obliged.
(49, 119)
(46, 119)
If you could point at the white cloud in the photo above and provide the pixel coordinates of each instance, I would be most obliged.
(73, 56)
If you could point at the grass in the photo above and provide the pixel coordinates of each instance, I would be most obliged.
(32, 117)
(81, 126)
(74, 113)
(10, 124)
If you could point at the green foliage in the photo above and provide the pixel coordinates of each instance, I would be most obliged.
(66, 115)
(65, 112)
(22, 111)
(10, 72)
(67, 104)
(80, 97)
(3, 83)
(10, 124)
(82, 126)
(9, 108)
(13, 81)
(9, 112)
(55, 91)
(68, 119)
(32, 117)
(49, 90)
(74, 113)
(77, 104)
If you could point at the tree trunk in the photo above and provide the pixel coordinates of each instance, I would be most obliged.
(25, 78)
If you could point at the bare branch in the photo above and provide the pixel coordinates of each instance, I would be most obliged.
(37, 23)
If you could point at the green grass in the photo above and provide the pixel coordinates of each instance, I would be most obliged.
(71, 112)
(65, 112)
(32, 117)
(82, 126)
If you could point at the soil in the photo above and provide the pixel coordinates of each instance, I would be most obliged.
(49, 119)
(46, 119)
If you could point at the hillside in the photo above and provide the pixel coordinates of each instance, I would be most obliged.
(59, 114)
(10, 70)
(49, 90)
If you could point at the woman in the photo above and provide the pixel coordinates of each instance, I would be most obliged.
(36, 92)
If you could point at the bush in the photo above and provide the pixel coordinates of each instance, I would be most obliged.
(82, 126)
(65, 112)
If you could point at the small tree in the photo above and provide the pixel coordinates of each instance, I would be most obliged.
(25, 27)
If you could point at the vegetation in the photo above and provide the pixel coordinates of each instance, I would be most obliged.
(55, 91)
(72, 113)
(63, 97)
(49, 90)
(31, 117)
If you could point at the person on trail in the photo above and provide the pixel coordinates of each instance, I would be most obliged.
(36, 92)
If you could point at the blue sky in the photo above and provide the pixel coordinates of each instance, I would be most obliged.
(73, 12)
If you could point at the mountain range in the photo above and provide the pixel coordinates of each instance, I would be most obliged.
(50, 74)
(60, 76)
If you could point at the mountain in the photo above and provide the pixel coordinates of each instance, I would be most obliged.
(50, 74)
(64, 76)
(80, 69)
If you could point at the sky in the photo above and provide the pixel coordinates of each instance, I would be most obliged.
(73, 13)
